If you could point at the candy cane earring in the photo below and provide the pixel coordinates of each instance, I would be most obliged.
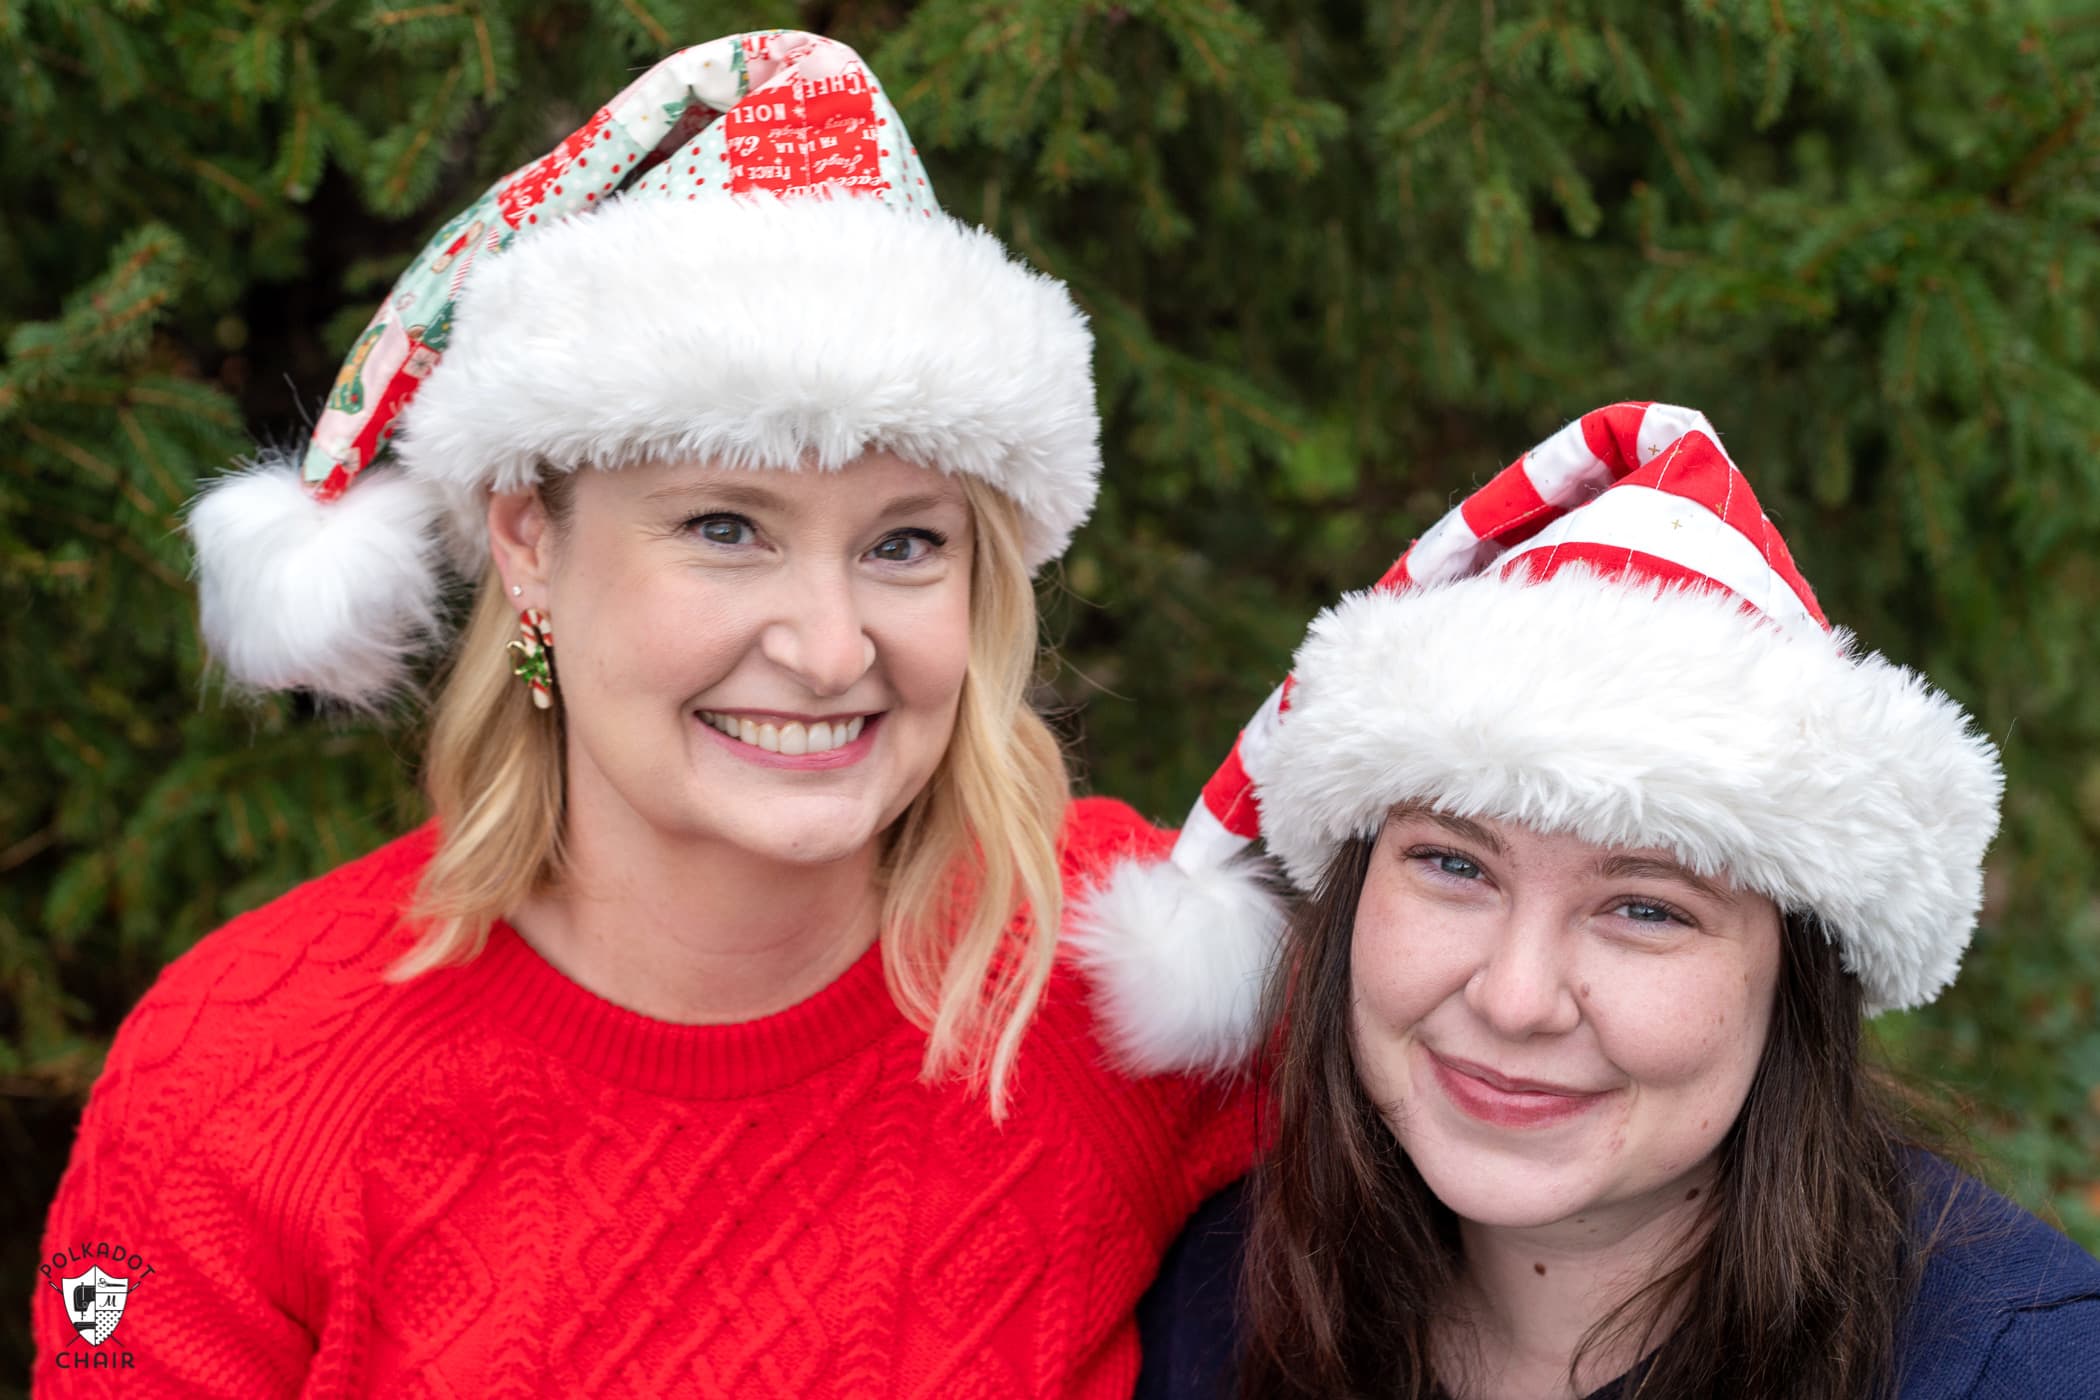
(533, 656)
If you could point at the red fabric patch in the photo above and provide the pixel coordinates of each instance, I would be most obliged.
(1614, 561)
(1509, 509)
(1782, 561)
(526, 190)
(1230, 796)
(1696, 469)
(334, 484)
(380, 426)
(1614, 435)
(805, 132)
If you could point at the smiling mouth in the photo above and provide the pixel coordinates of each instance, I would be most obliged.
(1481, 1093)
(1508, 1085)
(793, 738)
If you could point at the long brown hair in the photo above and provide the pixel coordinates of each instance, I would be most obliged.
(1792, 1292)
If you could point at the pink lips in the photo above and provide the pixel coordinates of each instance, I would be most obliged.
(844, 756)
(1479, 1092)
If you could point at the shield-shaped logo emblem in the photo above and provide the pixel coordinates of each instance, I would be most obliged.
(95, 1301)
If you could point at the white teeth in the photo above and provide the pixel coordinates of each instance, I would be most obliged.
(794, 737)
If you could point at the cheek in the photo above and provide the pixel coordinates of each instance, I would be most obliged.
(922, 645)
(1689, 1039)
(1403, 962)
(647, 634)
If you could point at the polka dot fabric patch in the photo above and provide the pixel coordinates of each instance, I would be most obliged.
(779, 112)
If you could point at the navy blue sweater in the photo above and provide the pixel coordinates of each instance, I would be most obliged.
(2007, 1307)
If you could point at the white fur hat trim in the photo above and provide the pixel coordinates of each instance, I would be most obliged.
(329, 596)
(1178, 951)
(1628, 714)
(762, 332)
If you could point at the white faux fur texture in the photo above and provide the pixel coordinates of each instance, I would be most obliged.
(1831, 781)
(1177, 962)
(761, 332)
(300, 595)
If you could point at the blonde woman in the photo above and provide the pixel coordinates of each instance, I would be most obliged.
(713, 1038)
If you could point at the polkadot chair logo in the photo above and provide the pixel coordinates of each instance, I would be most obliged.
(95, 1303)
(95, 1299)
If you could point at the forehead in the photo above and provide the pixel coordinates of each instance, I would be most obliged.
(872, 482)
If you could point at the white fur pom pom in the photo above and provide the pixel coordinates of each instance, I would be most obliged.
(1178, 961)
(298, 594)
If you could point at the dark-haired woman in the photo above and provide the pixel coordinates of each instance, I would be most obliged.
(1610, 847)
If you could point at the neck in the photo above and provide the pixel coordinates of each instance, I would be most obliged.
(694, 931)
(1534, 1294)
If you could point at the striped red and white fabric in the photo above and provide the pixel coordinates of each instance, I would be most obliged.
(1680, 689)
(1635, 488)
(1642, 490)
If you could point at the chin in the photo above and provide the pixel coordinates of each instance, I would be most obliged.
(799, 843)
(1513, 1184)
(1508, 1196)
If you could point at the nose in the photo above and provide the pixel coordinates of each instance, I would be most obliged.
(818, 635)
(1522, 986)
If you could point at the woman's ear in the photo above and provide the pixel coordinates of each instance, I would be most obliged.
(521, 543)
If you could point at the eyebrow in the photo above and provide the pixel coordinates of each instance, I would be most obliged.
(754, 497)
(1609, 867)
(1457, 826)
(728, 493)
(917, 505)
(1625, 867)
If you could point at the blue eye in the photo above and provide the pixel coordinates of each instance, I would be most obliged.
(907, 546)
(1643, 911)
(723, 529)
(1455, 866)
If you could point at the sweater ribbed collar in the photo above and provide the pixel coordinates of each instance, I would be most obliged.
(537, 1004)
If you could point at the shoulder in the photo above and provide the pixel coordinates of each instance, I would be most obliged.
(346, 923)
(1188, 1320)
(2006, 1304)
(1099, 833)
(1170, 1138)
(210, 1017)
(218, 1125)
(1979, 1246)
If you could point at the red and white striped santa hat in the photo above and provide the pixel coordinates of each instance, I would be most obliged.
(1609, 639)
(737, 259)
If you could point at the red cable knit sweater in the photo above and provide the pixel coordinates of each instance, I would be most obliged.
(487, 1181)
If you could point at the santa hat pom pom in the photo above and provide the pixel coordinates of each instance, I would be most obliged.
(1178, 960)
(302, 594)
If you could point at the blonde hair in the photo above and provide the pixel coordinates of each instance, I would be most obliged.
(971, 899)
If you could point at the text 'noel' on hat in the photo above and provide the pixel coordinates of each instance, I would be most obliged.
(739, 260)
(1609, 640)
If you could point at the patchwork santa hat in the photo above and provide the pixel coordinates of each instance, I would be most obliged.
(1610, 640)
(739, 258)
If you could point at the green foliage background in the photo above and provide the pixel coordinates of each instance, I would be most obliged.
(1344, 262)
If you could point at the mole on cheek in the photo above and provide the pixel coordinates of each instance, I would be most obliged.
(1539, 1269)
